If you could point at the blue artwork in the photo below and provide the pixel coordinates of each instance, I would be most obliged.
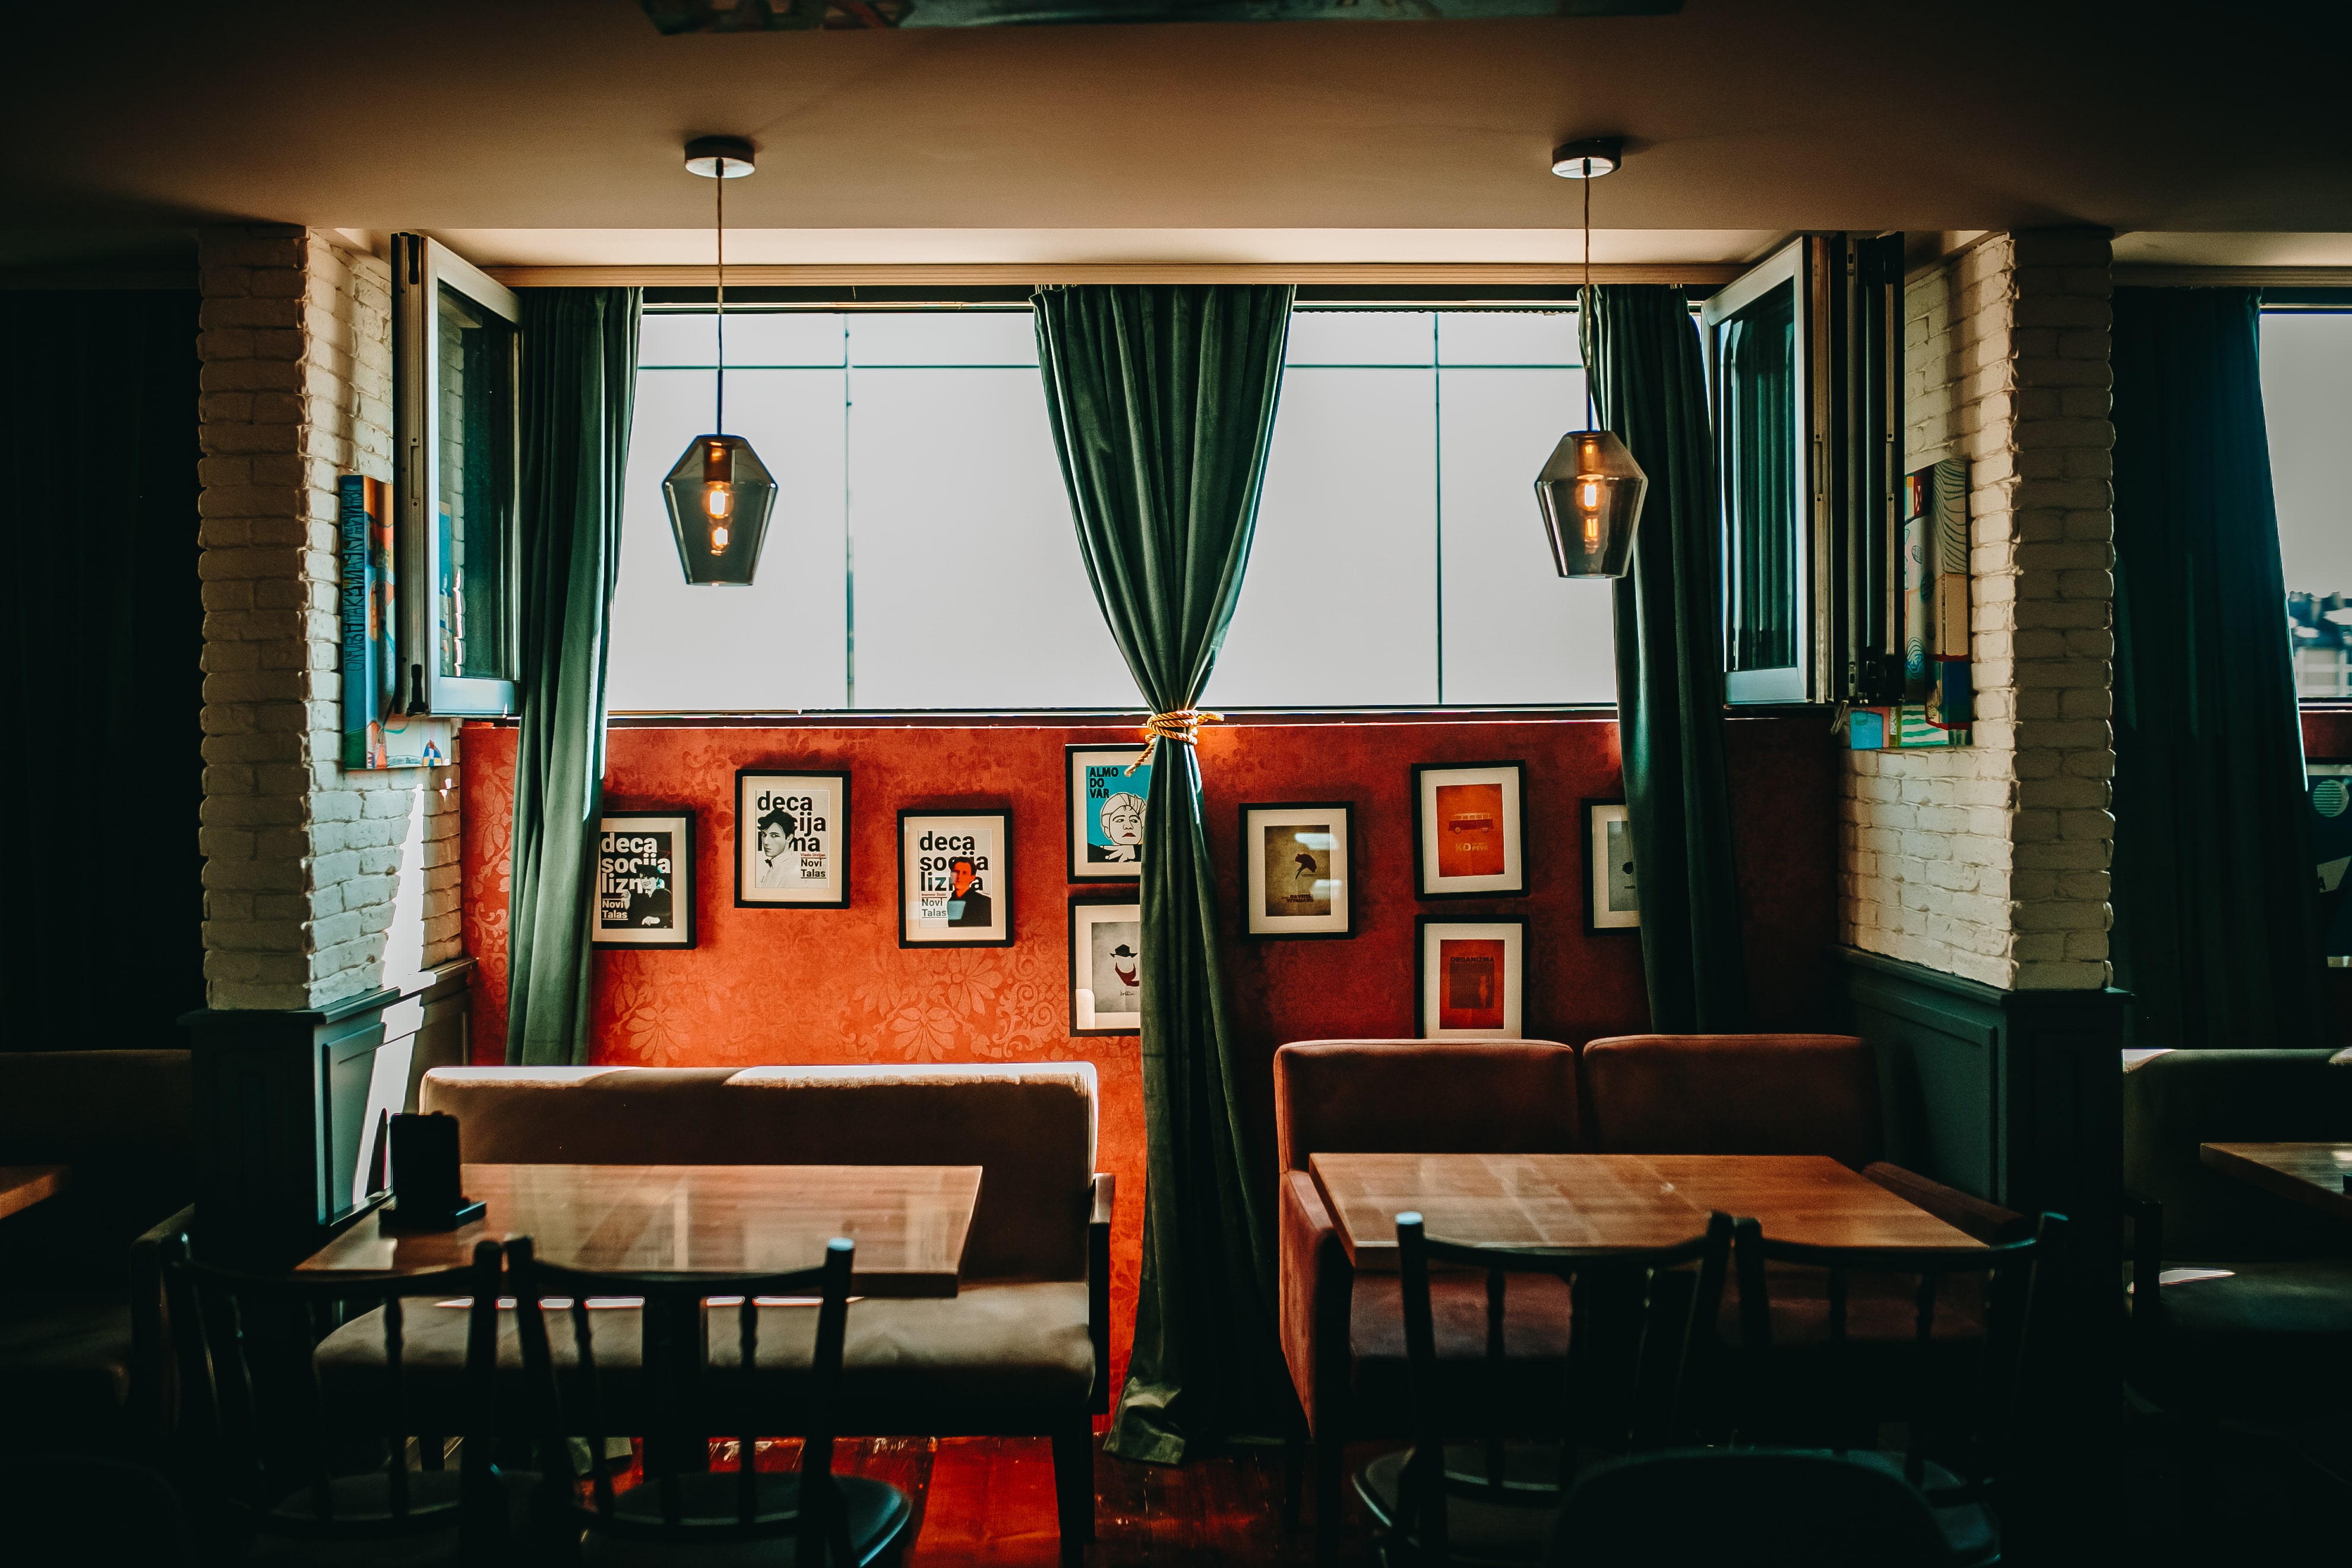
(1114, 812)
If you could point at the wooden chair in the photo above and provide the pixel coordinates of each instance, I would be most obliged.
(1757, 1508)
(682, 1393)
(1634, 1333)
(1957, 1416)
(262, 1445)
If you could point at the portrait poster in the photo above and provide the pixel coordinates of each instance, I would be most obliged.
(1105, 967)
(1468, 839)
(1298, 869)
(1106, 806)
(1612, 902)
(955, 879)
(644, 879)
(792, 838)
(1470, 979)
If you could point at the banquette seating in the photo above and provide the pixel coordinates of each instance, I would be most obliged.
(82, 1362)
(1022, 1349)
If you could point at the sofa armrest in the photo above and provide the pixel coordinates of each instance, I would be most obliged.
(1316, 1286)
(2147, 1217)
(1988, 1222)
(154, 1387)
(1104, 1196)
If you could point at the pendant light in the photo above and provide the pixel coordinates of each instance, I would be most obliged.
(720, 494)
(1591, 489)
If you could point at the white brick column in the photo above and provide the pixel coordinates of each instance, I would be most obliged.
(1990, 861)
(320, 884)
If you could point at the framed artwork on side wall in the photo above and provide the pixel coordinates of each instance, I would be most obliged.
(1610, 901)
(1468, 840)
(955, 879)
(645, 879)
(1106, 965)
(792, 839)
(1469, 979)
(1104, 831)
(1298, 868)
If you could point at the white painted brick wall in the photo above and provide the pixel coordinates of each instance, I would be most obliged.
(319, 884)
(1990, 861)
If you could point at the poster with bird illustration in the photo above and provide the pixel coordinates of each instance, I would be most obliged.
(1296, 869)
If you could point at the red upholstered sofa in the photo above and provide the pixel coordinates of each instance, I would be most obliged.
(1343, 1336)
(1732, 1094)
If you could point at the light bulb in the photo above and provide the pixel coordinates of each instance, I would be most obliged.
(1588, 495)
(719, 539)
(717, 498)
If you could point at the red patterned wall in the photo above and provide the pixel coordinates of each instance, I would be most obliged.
(832, 985)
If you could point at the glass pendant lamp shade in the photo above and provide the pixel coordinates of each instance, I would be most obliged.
(719, 495)
(1591, 493)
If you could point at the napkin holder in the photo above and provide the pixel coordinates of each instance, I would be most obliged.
(426, 1184)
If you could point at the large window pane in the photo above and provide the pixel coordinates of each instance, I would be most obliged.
(944, 337)
(1515, 630)
(1508, 337)
(754, 338)
(1361, 337)
(1758, 360)
(969, 591)
(475, 426)
(1337, 608)
(782, 643)
(2307, 406)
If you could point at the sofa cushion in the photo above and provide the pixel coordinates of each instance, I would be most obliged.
(65, 1368)
(1030, 1127)
(1424, 1096)
(1001, 1359)
(1734, 1094)
(2274, 1340)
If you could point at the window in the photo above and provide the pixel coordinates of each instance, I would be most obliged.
(2306, 360)
(922, 557)
(456, 437)
(1760, 391)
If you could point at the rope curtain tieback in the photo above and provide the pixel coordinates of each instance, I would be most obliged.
(1176, 724)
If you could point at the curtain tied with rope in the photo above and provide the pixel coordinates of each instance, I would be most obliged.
(1163, 402)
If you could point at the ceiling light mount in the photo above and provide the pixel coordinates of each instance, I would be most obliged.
(720, 157)
(1589, 159)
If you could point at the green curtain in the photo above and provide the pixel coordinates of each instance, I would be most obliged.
(105, 628)
(1642, 350)
(2214, 886)
(579, 384)
(1163, 401)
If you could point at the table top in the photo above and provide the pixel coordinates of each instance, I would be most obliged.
(910, 1222)
(22, 1187)
(1613, 1200)
(2309, 1174)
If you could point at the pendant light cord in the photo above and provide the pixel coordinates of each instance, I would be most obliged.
(1584, 296)
(721, 195)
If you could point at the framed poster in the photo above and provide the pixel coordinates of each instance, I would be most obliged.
(1611, 903)
(1467, 839)
(1298, 868)
(792, 839)
(955, 879)
(645, 879)
(1106, 812)
(1106, 965)
(1468, 979)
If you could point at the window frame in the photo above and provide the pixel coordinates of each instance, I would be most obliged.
(421, 268)
(2292, 299)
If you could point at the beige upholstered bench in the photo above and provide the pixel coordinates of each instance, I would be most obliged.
(1022, 1349)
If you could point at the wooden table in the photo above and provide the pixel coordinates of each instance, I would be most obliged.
(2311, 1173)
(22, 1187)
(1612, 1200)
(910, 1222)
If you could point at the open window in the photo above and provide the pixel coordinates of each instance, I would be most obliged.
(456, 441)
(1799, 356)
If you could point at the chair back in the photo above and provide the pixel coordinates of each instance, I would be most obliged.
(1620, 1393)
(1758, 1508)
(1734, 1094)
(257, 1425)
(687, 1393)
(1961, 1422)
(1424, 1096)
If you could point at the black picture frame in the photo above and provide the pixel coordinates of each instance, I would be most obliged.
(746, 827)
(1423, 1027)
(1000, 893)
(1503, 885)
(683, 877)
(1099, 900)
(1596, 872)
(1077, 871)
(1252, 861)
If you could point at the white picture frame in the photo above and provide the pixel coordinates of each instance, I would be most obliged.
(941, 905)
(1106, 965)
(802, 815)
(1293, 886)
(1466, 815)
(1451, 958)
